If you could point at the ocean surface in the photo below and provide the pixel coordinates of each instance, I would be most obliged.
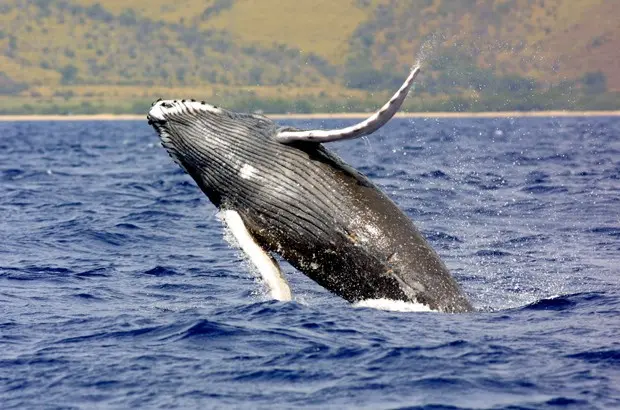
(118, 289)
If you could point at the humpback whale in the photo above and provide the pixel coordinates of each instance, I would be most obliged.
(280, 191)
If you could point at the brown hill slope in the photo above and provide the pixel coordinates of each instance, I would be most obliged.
(65, 51)
(548, 40)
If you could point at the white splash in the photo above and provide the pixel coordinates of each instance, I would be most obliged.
(429, 49)
(393, 305)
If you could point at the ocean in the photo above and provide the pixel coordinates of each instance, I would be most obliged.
(118, 288)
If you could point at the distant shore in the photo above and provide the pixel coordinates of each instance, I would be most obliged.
(491, 114)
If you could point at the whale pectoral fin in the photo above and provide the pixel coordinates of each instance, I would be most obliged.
(366, 127)
(266, 265)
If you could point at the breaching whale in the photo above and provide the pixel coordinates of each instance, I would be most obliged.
(281, 191)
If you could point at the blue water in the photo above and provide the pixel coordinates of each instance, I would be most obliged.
(117, 289)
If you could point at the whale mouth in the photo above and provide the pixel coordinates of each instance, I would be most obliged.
(155, 116)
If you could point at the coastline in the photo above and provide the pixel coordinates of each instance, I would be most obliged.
(489, 114)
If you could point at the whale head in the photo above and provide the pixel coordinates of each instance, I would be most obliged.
(215, 146)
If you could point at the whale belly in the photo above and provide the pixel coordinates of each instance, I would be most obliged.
(334, 225)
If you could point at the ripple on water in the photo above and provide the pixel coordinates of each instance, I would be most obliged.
(117, 289)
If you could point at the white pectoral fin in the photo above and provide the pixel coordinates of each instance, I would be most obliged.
(266, 265)
(368, 126)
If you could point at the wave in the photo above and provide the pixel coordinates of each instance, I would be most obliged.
(565, 302)
(392, 305)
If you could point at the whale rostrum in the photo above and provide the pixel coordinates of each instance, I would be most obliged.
(280, 191)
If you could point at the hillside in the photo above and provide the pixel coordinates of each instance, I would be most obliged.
(89, 55)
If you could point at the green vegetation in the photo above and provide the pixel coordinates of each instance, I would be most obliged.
(90, 56)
